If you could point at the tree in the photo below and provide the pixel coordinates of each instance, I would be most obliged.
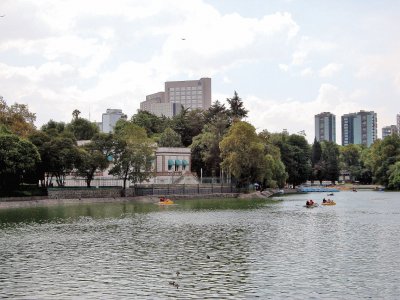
(169, 138)
(59, 156)
(384, 153)
(330, 158)
(316, 164)
(17, 157)
(275, 172)
(394, 176)
(105, 143)
(236, 107)
(350, 160)
(188, 124)
(17, 118)
(133, 155)
(215, 110)
(53, 128)
(152, 123)
(89, 160)
(242, 153)
(207, 145)
(295, 154)
(82, 129)
(75, 114)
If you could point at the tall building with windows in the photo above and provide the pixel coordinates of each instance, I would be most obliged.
(325, 127)
(389, 130)
(190, 94)
(398, 122)
(110, 118)
(359, 128)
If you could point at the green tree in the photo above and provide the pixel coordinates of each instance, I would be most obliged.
(394, 176)
(152, 123)
(215, 110)
(134, 154)
(53, 128)
(242, 153)
(295, 154)
(17, 118)
(17, 157)
(75, 114)
(89, 160)
(384, 153)
(105, 143)
(236, 107)
(82, 129)
(350, 160)
(275, 173)
(169, 138)
(316, 164)
(189, 124)
(207, 145)
(59, 156)
(330, 158)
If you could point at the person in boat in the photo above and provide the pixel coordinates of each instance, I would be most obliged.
(162, 199)
(324, 200)
(308, 203)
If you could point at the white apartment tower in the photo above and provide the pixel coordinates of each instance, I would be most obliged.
(110, 118)
(325, 127)
(190, 94)
(359, 128)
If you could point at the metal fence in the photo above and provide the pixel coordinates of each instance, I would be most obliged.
(193, 189)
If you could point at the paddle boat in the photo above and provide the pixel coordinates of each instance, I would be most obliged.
(165, 201)
(311, 204)
(328, 202)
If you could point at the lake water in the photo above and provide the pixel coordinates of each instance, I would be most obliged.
(257, 249)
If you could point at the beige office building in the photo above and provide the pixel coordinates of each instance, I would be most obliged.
(191, 94)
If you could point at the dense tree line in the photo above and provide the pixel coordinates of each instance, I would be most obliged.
(220, 141)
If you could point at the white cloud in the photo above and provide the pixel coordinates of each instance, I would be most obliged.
(306, 72)
(97, 54)
(330, 70)
(308, 46)
(296, 115)
(283, 67)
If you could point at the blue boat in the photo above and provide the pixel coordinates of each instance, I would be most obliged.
(304, 189)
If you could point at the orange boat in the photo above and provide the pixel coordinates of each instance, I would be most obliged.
(165, 201)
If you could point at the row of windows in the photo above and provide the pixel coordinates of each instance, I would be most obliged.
(186, 97)
(186, 93)
(188, 88)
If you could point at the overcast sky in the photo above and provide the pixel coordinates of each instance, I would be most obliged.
(287, 59)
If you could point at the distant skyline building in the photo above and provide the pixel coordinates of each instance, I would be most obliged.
(389, 130)
(359, 128)
(325, 127)
(191, 94)
(398, 122)
(110, 118)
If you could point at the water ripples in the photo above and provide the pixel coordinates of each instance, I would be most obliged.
(272, 251)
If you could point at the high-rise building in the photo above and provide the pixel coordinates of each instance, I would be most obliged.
(110, 118)
(398, 122)
(325, 127)
(389, 130)
(359, 128)
(190, 94)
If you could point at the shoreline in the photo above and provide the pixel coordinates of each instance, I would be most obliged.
(139, 199)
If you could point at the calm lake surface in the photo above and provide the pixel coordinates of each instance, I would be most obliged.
(258, 249)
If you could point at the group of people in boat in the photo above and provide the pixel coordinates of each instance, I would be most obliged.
(327, 201)
(312, 203)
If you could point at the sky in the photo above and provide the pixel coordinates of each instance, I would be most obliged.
(287, 59)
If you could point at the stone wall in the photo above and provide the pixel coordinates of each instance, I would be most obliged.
(59, 193)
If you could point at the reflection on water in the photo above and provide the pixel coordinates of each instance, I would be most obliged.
(265, 249)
